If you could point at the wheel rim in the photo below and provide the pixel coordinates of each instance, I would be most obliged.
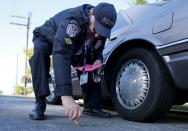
(52, 95)
(132, 84)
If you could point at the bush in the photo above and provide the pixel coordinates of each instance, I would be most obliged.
(29, 90)
(1, 92)
(19, 90)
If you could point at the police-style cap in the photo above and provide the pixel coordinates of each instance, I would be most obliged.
(105, 18)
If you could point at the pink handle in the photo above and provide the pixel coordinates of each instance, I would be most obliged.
(88, 67)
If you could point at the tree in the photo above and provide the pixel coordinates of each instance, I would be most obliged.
(19, 90)
(29, 53)
(27, 76)
(139, 2)
(136, 2)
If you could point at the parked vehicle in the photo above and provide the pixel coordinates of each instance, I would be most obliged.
(146, 63)
(146, 60)
(52, 98)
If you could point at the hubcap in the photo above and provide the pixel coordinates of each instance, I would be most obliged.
(132, 84)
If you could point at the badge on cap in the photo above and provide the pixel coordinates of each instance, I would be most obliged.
(108, 22)
(72, 29)
(68, 41)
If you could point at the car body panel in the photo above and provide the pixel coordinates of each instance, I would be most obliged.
(178, 64)
(180, 19)
(163, 23)
(176, 57)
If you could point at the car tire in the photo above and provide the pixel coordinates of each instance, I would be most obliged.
(52, 98)
(141, 88)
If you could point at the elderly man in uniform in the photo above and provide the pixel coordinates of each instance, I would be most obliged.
(75, 37)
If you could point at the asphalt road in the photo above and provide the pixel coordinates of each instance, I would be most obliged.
(14, 117)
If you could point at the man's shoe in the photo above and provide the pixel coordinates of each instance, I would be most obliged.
(38, 112)
(96, 112)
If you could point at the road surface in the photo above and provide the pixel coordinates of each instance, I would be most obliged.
(14, 117)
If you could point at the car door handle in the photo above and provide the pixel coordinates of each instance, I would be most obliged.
(114, 38)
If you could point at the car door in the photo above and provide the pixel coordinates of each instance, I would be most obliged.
(175, 43)
(171, 25)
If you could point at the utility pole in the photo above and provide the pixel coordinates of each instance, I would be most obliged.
(17, 55)
(27, 25)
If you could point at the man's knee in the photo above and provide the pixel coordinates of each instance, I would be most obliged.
(42, 48)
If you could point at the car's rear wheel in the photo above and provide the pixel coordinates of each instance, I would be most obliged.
(141, 88)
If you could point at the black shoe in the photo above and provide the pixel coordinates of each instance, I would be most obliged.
(38, 112)
(96, 112)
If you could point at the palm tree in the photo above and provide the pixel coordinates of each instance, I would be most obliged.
(139, 2)
(136, 2)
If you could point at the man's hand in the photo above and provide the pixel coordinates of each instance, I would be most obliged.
(98, 62)
(71, 108)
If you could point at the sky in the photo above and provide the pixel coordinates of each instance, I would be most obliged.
(13, 38)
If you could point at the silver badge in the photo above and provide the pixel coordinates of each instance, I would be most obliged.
(98, 44)
(72, 30)
(84, 78)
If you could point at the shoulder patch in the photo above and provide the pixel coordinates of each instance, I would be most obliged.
(73, 29)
